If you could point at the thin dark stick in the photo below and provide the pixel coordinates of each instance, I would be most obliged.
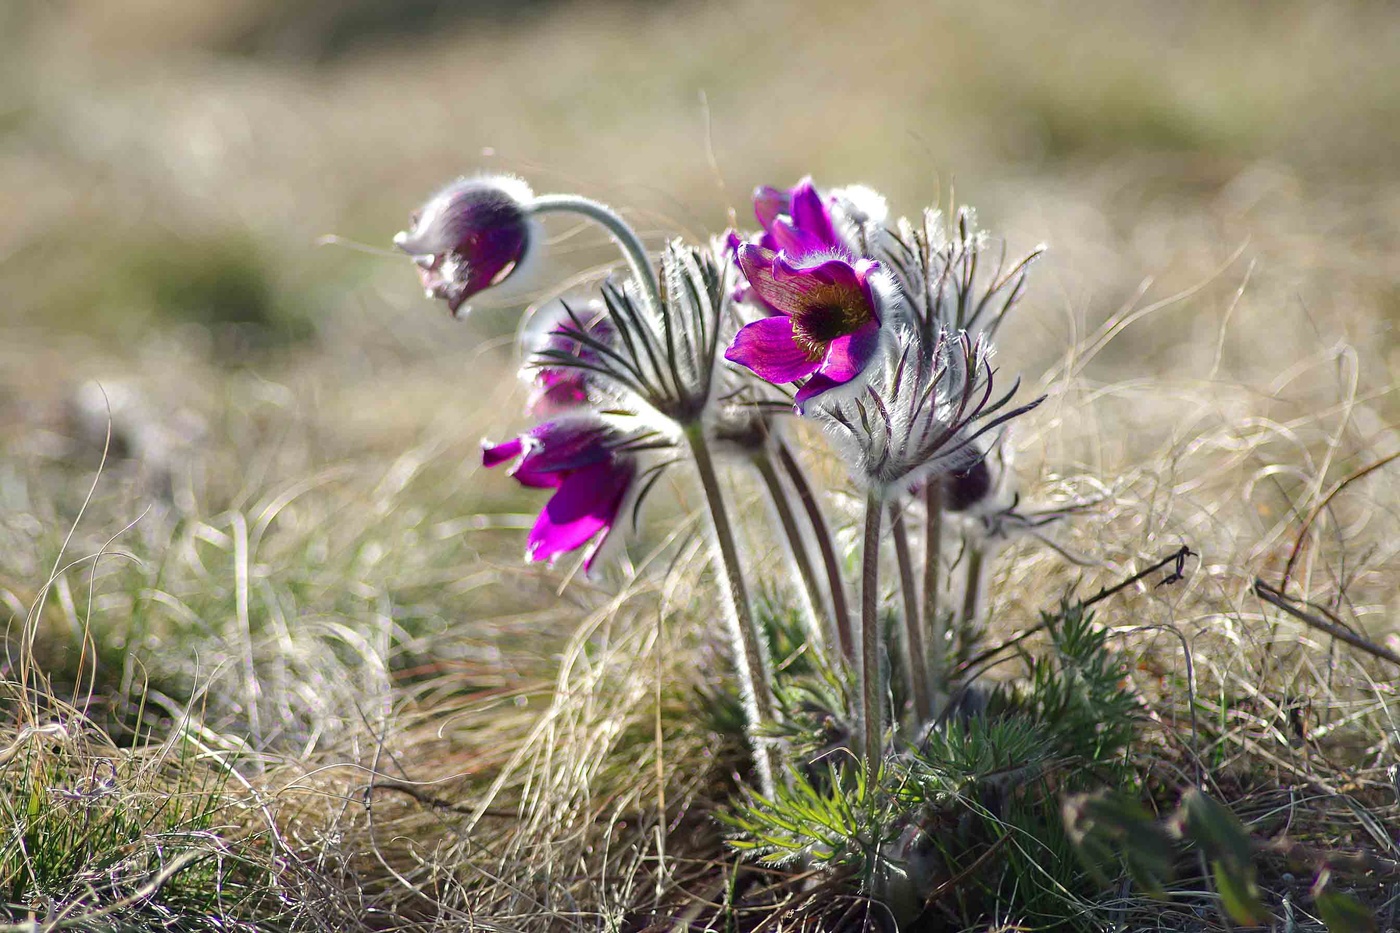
(1316, 510)
(933, 617)
(1275, 598)
(872, 725)
(972, 594)
(915, 645)
(1178, 556)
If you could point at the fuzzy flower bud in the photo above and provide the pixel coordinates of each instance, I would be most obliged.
(470, 236)
(921, 412)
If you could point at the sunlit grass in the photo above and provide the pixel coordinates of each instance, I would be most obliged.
(293, 671)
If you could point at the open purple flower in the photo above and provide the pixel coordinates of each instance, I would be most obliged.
(470, 236)
(797, 221)
(827, 326)
(581, 459)
(564, 352)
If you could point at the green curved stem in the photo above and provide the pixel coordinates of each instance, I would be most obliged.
(968, 627)
(749, 647)
(631, 244)
(871, 708)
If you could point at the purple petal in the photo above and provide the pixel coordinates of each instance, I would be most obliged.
(811, 389)
(472, 234)
(810, 214)
(835, 272)
(496, 454)
(757, 265)
(767, 347)
(847, 357)
(556, 392)
(568, 444)
(794, 241)
(587, 503)
(768, 203)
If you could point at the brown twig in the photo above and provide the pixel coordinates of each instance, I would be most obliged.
(1316, 510)
(1350, 862)
(1178, 556)
(1277, 598)
(432, 800)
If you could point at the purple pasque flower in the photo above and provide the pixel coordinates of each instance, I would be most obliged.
(797, 221)
(587, 464)
(564, 352)
(827, 326)
(470, 236)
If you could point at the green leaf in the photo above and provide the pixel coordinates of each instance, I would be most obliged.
(1103, 824)
(1341, 913)
(1239, 893)
(1215, 829)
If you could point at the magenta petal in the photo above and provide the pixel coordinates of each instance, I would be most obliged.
(767, 347)
(586, 504)
(568, 444)
(835, 272)
(768, 203)
(757, 265)
(811, 389)
(794, 241)
(847, 357)
(810, 214)
(496, 454)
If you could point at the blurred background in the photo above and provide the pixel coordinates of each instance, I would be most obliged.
(170, 173)
(169, 168)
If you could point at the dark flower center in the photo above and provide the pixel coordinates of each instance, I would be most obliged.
(835, 315)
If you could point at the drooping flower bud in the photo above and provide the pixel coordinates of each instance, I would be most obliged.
(592, 468)
(965, 489)
(470, 236)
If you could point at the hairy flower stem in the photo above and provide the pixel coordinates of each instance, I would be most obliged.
(914, 643)
(871, 708)
(972, 597)
(933, 614)
(840, 612)
(749, 647)
(621, 232)
(779, 496)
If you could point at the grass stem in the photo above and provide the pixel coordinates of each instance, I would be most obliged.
(914, 642)
(972, 598)
(933, 614)
(749, 646)
(871, 707)
(819, 620)
(826, 547)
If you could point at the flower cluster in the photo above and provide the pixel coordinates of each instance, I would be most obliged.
(879, 331)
